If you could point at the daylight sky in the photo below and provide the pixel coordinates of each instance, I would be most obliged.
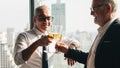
(15, 14)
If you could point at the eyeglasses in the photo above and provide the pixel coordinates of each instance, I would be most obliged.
(94, 7)
(43, 18)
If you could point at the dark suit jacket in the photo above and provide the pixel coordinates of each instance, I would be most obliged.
(108, 50)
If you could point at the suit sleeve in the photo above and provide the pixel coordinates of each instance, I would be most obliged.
(77, 55)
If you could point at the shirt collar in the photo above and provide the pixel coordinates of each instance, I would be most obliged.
(105, 27)
(38, 33)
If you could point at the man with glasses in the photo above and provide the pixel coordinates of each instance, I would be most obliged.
(105, 50)
(29, 44)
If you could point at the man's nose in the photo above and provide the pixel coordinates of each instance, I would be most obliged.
(92, 13)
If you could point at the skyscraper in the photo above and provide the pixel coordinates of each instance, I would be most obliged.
(10, 38)
(58, 12)
(6, 59)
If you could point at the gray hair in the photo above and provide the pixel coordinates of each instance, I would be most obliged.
(113, 4)
(40, 9)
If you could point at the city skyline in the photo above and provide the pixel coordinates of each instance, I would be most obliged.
(18, 17)
(77, 15)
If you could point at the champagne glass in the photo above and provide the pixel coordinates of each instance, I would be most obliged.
(56, 32)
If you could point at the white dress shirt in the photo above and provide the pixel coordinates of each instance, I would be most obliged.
(101, 32)
(23, 41)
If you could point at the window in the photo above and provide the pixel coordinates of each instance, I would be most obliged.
(74, 15)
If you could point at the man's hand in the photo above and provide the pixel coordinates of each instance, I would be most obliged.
(68, 44)
(62, 47)
(70, 62)
(45, 40)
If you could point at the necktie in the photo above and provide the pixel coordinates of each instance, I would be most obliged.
(44, 58)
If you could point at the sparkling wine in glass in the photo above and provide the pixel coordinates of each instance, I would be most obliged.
(56, 32)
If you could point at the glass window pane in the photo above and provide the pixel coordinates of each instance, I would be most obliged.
(14, 17)
(74, 15)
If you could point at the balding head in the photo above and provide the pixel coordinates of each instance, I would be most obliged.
(39, 10)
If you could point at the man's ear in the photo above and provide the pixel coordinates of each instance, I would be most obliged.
(109, 8)
(34, 19)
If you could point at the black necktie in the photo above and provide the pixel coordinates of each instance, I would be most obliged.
(44, 58)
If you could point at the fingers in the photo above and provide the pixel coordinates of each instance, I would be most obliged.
(62, 47)
(57, 45)
(70, 61)
(45, 40)
(65, 58)
(50, 38)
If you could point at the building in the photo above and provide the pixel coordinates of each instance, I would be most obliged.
(6, 58)
(10, 38)
(58, 12)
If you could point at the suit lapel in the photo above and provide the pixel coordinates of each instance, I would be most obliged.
(106, 35)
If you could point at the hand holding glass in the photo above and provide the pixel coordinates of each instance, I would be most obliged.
(56, 32)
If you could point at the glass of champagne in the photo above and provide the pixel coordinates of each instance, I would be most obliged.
(56, 32)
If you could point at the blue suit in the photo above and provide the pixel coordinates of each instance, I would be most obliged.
(108, 50)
